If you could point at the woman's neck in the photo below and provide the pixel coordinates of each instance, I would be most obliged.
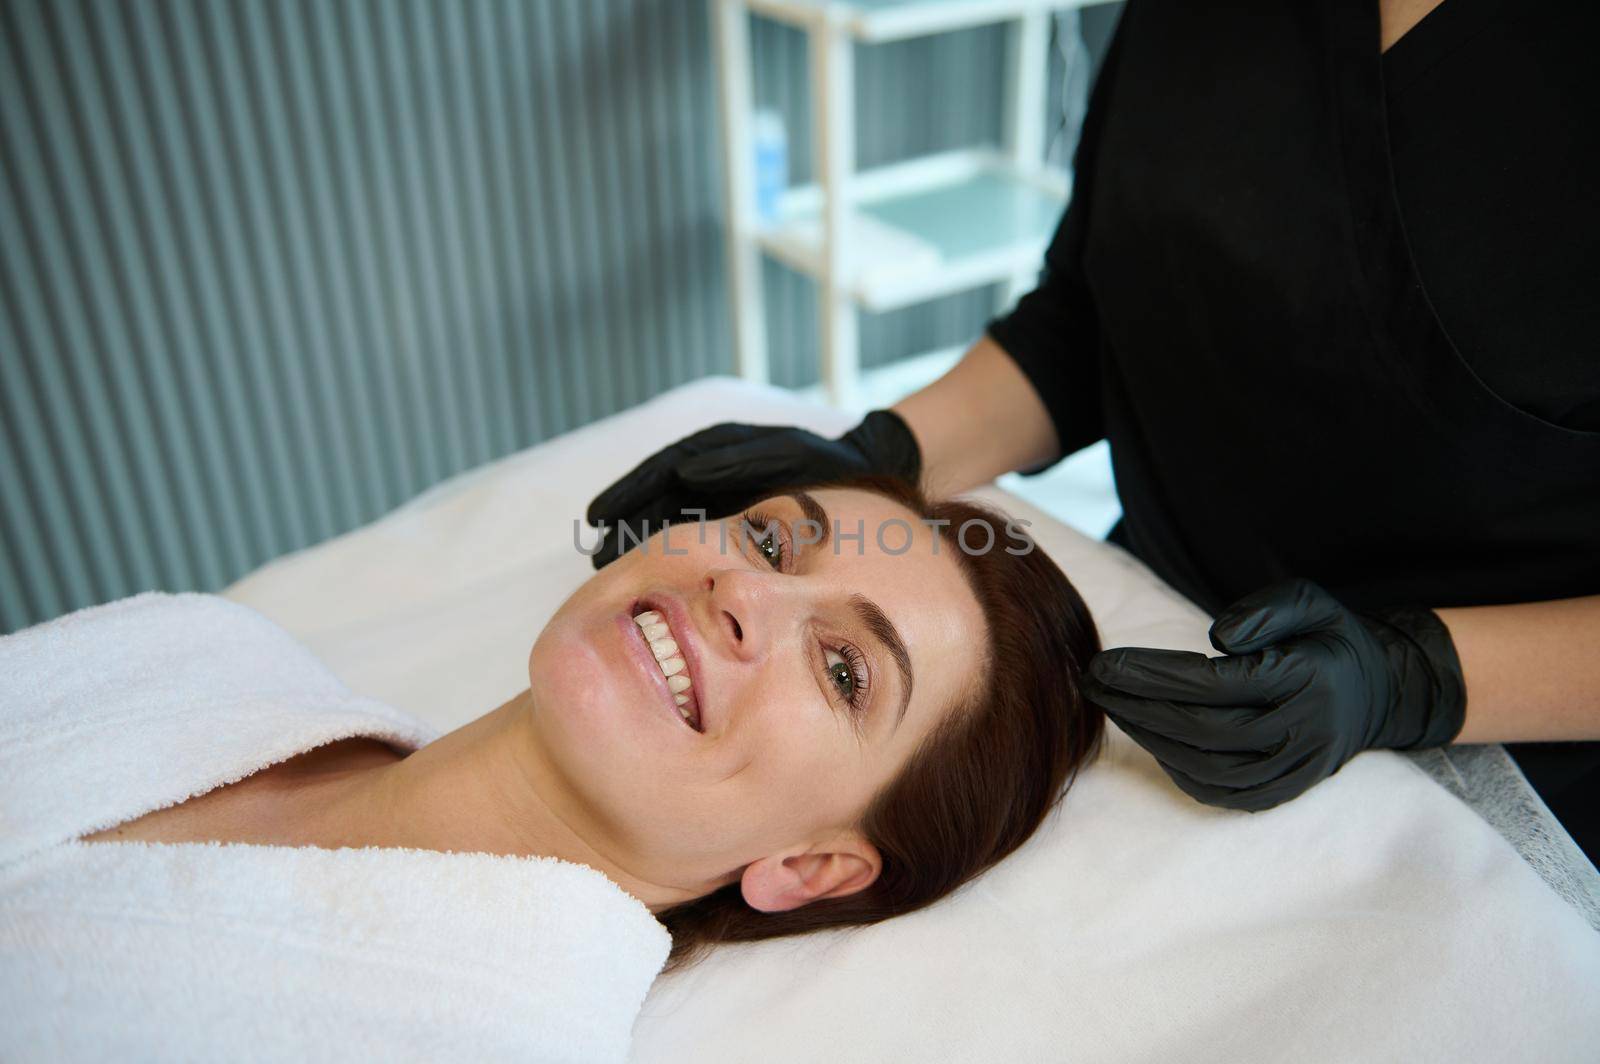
(1397, 17)
(484, 788)
(475, 790)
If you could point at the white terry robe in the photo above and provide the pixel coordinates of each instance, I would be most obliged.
(129, 950)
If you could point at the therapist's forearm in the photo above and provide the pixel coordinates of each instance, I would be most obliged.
(979, 420)
(1532, 670)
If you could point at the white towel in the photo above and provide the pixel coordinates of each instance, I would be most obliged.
(205, 951)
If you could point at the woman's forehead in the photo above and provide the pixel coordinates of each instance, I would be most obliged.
(849, 527)
(877, 548)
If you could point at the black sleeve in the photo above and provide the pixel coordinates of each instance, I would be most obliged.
(1051, 334)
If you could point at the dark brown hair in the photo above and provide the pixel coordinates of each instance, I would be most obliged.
(985, 778)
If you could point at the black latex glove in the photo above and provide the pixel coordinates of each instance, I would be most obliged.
(1305, 686)
(727, 467)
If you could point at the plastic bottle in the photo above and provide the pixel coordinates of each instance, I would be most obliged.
(771, 142)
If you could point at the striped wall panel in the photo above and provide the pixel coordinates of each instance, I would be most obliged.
(268, 268)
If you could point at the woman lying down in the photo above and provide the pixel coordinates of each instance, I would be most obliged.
(210, 848)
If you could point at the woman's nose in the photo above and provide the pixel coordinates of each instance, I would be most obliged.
(745, 609)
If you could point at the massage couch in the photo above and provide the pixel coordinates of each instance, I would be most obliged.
(1410, 908)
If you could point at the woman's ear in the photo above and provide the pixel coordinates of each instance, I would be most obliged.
(789, 880)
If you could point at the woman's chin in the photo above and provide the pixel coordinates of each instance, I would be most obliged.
(591, 691)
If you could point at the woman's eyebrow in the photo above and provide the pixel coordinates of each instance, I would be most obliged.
(814, 513)
(883, 630)
(876, 622)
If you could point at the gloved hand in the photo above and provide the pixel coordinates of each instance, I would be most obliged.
(726, 467)
(1305, 686)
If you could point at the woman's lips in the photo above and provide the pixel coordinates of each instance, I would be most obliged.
(676, 614)
(639, 650)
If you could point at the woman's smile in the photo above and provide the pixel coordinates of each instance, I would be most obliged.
(661, 640)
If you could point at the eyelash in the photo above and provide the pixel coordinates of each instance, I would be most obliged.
(857, 664)
(756, 522)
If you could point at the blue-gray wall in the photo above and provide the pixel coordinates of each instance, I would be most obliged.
(270, 268)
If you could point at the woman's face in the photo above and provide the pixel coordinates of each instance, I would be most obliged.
(810, 672)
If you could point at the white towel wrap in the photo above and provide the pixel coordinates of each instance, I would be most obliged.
(207, 951)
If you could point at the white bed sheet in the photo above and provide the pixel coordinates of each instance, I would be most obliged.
(1375, 918)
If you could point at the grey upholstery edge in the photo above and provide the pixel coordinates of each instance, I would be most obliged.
(1486, 778)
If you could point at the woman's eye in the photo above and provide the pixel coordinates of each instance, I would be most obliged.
(768, 540)
(771, 550)
(842, 674)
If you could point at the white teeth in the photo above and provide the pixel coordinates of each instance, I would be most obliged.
(665, 649)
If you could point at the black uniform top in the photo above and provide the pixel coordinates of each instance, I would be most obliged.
(1338, 313)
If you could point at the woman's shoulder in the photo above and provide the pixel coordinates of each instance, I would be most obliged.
(113, 711)
(154, 641)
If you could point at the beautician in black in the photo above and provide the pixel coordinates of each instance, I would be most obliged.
(1330, 285)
